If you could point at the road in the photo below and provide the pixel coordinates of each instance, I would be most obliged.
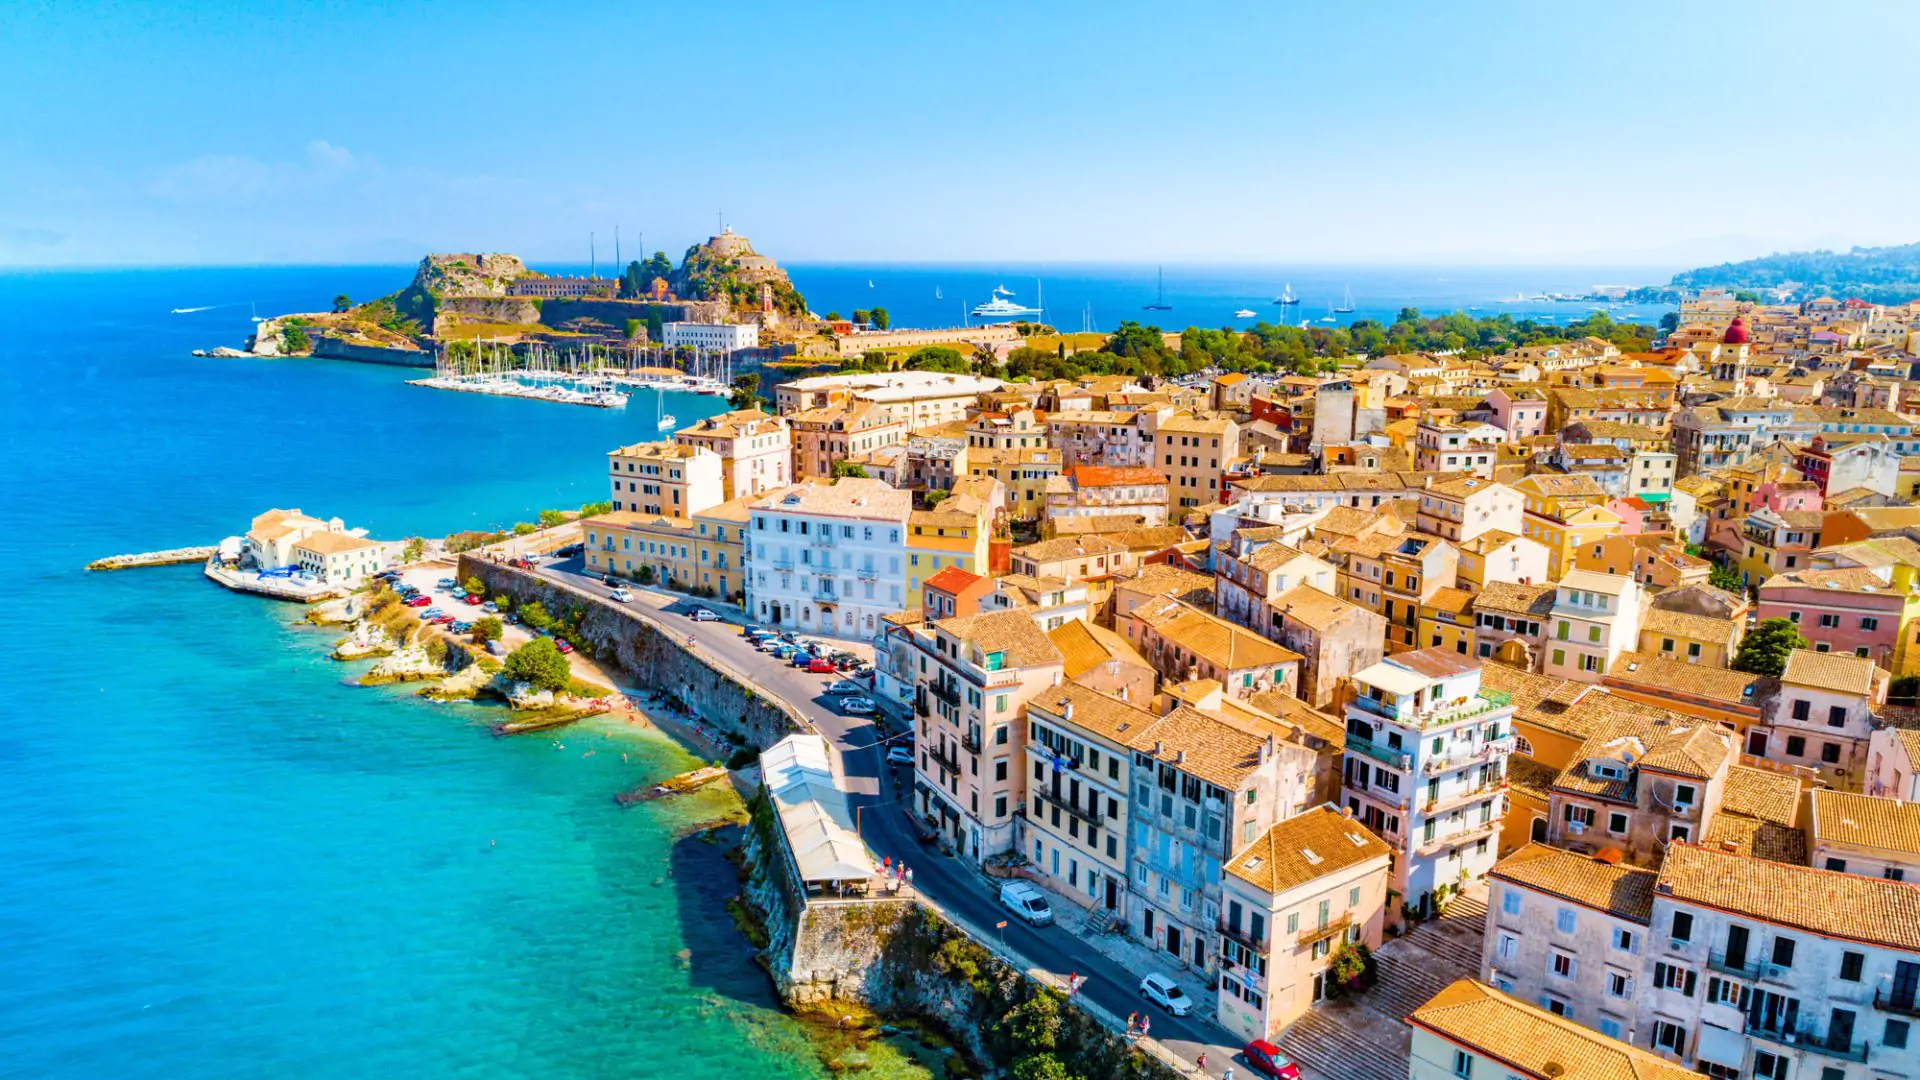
(879, 794)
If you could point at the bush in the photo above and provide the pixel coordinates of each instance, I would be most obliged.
(540, 663)
(742, 758)
(592, 508)
(488, 629)
(550, 518)
(474, 587)
(1351, 970)
(415, 548)
(644, 575)
(524, 528)
(295, 339)
(534, 614)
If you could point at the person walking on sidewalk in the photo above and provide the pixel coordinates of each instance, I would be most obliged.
(1200, 1063)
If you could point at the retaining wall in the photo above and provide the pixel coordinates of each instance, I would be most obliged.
(651, 655)
(329, 348)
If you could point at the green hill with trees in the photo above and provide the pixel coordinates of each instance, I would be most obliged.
(1880, 275)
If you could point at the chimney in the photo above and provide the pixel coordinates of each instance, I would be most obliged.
(1157, 747)
(1067, 713)
(1123, 693)
(1179, 757)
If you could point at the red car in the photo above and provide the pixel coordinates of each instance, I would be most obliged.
(561, 644)
(820, 665)
(476, 601)
(442, 620)
(1267, 1060)
(420, 601)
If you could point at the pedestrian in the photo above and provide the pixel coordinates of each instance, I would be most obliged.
(1146, 1024)
(909, 876)
(1201, 1064)
(1228, 1075)
(1133, 1020)
(886, 864)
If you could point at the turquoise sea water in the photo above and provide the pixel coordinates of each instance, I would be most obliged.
(216, 858)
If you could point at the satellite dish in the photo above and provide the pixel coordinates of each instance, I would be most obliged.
(1553, 1068)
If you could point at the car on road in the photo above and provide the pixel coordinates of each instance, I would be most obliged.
(820, 666)
(609, 580)
(417, 600)
(857, 706)
(844, 686)
(569, 551)
(1166, 993)
(899, 755)
(620, 596)
(561, 644)
(1025, 899)
(1267, 1060)
(701, 614)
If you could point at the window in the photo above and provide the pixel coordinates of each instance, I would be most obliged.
(1896, 1035)
(1462, 1063)
(1868, 622)
(1673, 977)
(1623, 940)
(1830, 753)
(1510, 902)
(1796, 746)
(1562, 965)
(1837, 716)
(1668, 1036)
(1565, 920)
(1783, 952)
(1619, 984)
(1617, 824)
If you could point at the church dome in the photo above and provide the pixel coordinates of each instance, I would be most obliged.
(1736, 332)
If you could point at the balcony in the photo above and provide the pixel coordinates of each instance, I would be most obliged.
(945, 691)
(1391, 758)
(1004, 677)
(820, 540)
(1750, 968)
(1886, 999)
(1462, 798)
(1377, 708)
(970, 743)
(1803, 1038)
(1091, 817)
(946, 759)
(1316, 934)
(1490, 748)
(1228, 931)
(1465, 836)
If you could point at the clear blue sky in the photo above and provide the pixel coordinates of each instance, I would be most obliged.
(1675, 133)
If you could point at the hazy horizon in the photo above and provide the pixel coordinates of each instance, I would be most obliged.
(218, 133)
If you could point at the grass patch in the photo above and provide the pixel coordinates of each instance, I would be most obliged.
(465, 331)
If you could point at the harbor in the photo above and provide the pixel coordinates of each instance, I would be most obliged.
(170, 557)
(597, 376)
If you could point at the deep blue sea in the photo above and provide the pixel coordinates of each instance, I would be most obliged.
(219, 860)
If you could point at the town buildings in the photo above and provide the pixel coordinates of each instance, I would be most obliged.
(671, 478)
(711, 337)
(755, 449)
(828, 557)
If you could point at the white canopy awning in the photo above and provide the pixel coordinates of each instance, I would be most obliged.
(814, 813)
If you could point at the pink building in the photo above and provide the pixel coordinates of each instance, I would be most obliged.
(1787, 495)
(1633, 514)
(1519, 411)
(1853, 611)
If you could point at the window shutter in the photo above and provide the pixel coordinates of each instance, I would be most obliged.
(1692, 978)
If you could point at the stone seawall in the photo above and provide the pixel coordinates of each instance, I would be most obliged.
(329, 348)
(904, 958)
(651, 656)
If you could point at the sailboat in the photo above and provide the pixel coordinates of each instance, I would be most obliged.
(1346, 305)
(936, 293)
(255, 309)
(1286, 297)
(1328, 317)
(1160, 304)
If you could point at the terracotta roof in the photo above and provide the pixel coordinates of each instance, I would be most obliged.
(1743, 835)
(1759, 794)
(845, 497)
(1114, 475)
(332, 543)
(1861, 821)
(1507, 598)
(1534, 1041)
(1615, 888)
(1084, 647)
(1104, 715)
(1205, 745)
(1309, 845)
(1682, 624)
(1068, 547)
(1647, 670)
(1013, 633)
(1215, 640)
(1453, 601)
(1838, 672)
(1312, 608)
(1288, 709)
(1852, 907)
(1165, 579)
(1845, 580)
(951, 580)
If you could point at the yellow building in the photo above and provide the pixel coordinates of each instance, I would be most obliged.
(1446, 621)
(642, 547)
(720, 548)
(664, 478)
(756, 450)
(1023, 472)
(1192, 451)
(953, 533)
(1563, 513)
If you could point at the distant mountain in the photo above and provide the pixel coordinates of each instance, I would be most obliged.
(1883, 275)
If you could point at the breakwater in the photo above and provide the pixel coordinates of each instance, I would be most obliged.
(170, 557)
(652, 656)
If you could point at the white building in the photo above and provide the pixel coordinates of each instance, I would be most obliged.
(1569, 933)
(1822, 716)
(1472, 1031)
(340, 558)
(1859, 834)
(711, 337)
(1595, 618)
(828, 557)
(1426, 766)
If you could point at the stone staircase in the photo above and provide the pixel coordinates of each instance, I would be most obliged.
(1101, 921)
(1366, 1038)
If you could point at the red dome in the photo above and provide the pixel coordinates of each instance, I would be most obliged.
(1736, 332)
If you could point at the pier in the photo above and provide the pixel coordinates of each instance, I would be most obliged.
(171, 557)
(304, 591)
(676, 785)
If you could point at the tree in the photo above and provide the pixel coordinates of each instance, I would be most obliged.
(592, 508)
(633, 329)
(847, 468)
(645, 575)
(550, 518)
(534, 614)
(342, 304)
(474, 587)
(295, 339)
(1721, 576)
(488, 629)
(1746, 296)
(1033, 1026)
(746, 391)
(414, 548)
(833, 316)
(525, 528)
(1765, 648)
(860, 315)
(540, 663)
(878, 317)
(1039, 1067)
(1351, 969)
(935, 497)
(937, 358)
(1670, 322)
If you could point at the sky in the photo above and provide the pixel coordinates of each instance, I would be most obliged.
(199, 133)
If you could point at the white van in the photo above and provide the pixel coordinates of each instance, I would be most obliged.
(1025, 899)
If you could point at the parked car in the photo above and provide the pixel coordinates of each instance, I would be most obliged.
(434, 612)
(474, 599)
(1025, 899)
(416, 600)
(441, 620)
(752, 629)
(864, 673)
(899, 755)
(857, 706)
(445, 583)
(496, 648)
(569, 551)
(520, 563)
(1166, 993)
(490, 608)
(561, 644)
(620, 596)
(458, 593)
(1267, 1060)
(820, 666)
(387, 575)
(701, 614)
(844, 686)
(800, 658)
(461, 627)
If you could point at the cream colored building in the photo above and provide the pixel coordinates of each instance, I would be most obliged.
(1192, 451)
(918, 398)
(756, 450)
(1471, 1031)
(1291, 899)
(1079, 772)
(668, 478)
(340, 559)
(271, 536)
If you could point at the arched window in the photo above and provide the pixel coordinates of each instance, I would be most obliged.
(1521, 745)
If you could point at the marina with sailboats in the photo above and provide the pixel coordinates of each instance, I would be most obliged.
(594, 375)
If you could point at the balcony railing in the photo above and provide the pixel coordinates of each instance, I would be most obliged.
(1749, 968)
(945, 759)
(1804, 1038)
(1887, 1000)
(1393, 759)
(1484, 829)
(1321, 933)
(1448, 801)
(970, 743)
(1437, 765)
(1377, 708)
(1003, 677)
(945, 691)
(1090, 816)
(1244, 937)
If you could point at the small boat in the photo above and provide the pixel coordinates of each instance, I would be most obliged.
(667, 422)
(936, 293)
(1244, 313)
(869, 283)
(1346, 304)
(1161, 303)
(190, 310)
(255, 310)
(1286, 297)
